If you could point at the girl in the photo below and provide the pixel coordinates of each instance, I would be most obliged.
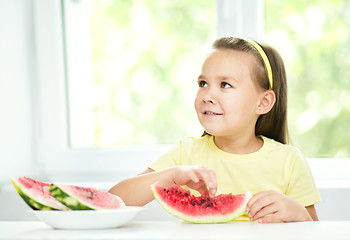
(241, 104)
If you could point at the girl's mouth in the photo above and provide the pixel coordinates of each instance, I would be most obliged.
(211, 113)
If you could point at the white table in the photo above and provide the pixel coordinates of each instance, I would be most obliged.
(180, 230)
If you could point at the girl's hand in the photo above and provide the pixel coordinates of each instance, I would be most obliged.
(272, 206)
(198, 178)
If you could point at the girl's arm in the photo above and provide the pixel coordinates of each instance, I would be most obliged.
(136, 191)
(272, 206)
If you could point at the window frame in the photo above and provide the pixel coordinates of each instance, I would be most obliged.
(52, 152)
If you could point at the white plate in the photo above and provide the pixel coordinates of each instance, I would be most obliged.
(88, 219)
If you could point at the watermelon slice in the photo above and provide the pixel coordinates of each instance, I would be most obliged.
(36, 194)
(203, 209)
(84, 198)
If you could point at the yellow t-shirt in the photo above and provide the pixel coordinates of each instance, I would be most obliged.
(274, 166)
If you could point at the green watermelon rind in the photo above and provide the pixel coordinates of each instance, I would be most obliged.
(220, 218)
(68, 200)
(32, 202)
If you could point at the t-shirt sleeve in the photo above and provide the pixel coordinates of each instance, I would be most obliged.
(168, 159)
(301, 185)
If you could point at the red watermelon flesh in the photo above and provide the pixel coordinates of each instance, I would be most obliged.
(36, 194)
(202, 209)
(85, 198)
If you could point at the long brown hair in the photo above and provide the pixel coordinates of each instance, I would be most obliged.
(274, 123)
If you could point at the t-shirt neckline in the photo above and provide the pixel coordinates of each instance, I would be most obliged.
(233, 156)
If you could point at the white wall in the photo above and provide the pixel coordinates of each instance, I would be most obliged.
(16, 74)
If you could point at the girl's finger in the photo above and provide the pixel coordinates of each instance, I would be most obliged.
(254, 198)
(258, 197)
(193, 176)
(202, 189)
(209, 178)
(259, 203)
(273, 218)
(270, 209)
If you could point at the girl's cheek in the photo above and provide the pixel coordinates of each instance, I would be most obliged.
(197, 102)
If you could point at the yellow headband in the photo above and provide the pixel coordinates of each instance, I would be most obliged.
(265, 59)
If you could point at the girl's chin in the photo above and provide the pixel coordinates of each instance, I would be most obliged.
(216, 133)
(210, 132)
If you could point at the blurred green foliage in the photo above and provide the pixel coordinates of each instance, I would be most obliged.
(147, 56)
(314, 40)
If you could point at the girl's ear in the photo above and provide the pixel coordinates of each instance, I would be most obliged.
(266, 103)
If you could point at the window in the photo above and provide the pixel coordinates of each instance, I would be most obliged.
(314, 40)
(70, 94)
(145, 59)
(65, 86)
(132, 69)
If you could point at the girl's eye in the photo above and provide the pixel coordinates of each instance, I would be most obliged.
(202, 84)
(225, 85)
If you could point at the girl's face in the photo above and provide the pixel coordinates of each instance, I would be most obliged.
(228, 98)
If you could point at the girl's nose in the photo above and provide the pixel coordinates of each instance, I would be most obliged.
(208, 97)
(208, 100)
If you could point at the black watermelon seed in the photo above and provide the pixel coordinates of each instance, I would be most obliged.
(193, 202)
(186, 194)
